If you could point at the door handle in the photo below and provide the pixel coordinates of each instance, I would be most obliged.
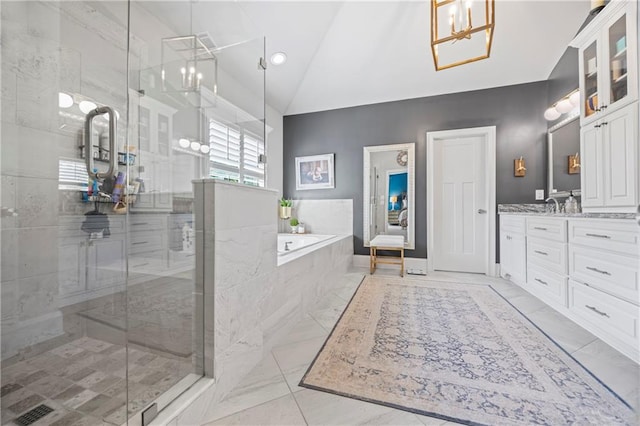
(638, 215)
(88, 125)
(482, 211)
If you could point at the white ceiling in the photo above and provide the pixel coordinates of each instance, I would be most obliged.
(343, 54)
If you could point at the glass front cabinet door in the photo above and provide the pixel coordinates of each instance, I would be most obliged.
(608, 60)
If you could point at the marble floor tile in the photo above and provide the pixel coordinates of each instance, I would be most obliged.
(617, 371)
(327, 318)
(295, 375)
(264, 383)
(321, 408)
(329, 301)
(306, 329)
(282, 411)
(297, 355)
(569, 335)
(396, 418)
(527, 304)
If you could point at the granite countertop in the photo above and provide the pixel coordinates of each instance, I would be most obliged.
(539, 210)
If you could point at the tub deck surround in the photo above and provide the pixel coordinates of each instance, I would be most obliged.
(322, 216)
(249, 301)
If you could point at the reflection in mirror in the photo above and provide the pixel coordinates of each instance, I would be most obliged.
(564, 157)
(389, 192)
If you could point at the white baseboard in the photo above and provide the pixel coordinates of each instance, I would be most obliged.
(362, 261)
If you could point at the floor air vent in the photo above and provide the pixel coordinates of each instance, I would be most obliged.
(34, 415)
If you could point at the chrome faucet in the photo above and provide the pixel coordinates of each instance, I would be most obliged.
(557, 206)
(286, 245)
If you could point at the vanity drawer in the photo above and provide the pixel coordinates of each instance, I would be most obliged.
(145, 242)
(621, 236)
(512, 223)
(554, 229)
(612, 316)
(147, 222)
(550, 287)
(550, 255)
(614, 273)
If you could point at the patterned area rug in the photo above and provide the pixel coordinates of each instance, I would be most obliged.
(456, 352)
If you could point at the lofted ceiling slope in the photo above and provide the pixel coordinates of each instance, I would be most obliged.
(343, 54)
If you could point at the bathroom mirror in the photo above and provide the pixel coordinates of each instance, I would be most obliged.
(563, 141)
(389, 192)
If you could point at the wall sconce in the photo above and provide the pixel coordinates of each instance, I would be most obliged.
(519, 169)
(568, 104)
(574, 164)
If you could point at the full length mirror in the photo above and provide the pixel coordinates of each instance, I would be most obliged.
(389, 192)
(564, 157)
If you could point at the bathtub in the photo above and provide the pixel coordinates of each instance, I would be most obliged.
(297, 242)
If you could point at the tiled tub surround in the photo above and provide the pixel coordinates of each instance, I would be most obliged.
(322, 216)
(250, 302)
(584, 266)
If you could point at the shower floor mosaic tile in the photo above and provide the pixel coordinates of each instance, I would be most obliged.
(84, 382)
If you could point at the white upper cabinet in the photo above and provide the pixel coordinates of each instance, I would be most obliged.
(609, 170)
(608, 61)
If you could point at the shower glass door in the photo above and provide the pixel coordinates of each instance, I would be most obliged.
(100, 316)
(64, 242)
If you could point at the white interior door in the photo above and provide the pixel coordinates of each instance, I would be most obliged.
(460, 201)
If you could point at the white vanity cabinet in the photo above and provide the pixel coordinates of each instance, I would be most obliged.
(90, 267)
(513, 249)
(588, 269)
(604, 271)
(547, 259)
(154, 160)
(607, 52)
(608, 75)
(609, 170)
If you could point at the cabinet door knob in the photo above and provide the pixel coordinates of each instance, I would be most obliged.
(605, 123)
(596, 125)
(603, 107)
(482, 211)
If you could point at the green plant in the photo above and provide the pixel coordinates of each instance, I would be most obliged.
(293, 222)
(285, 203)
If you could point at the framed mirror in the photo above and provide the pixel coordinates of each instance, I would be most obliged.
(389, 192)
(563, 144)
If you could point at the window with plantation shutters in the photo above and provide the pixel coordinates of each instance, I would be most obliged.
(72, 175)
(235, 154)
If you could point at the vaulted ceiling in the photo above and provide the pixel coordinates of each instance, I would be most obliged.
(350, 53)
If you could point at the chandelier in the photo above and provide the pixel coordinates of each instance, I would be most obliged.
(188, 64)
(467, 35)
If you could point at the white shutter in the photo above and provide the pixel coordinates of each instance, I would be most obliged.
(235, 155)
(72, 174)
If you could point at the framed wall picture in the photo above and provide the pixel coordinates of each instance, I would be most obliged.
(315, 172)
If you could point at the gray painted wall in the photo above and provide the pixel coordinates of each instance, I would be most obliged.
(516, 111)
(563, 79)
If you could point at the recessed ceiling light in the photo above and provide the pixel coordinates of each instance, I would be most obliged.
(278, 58)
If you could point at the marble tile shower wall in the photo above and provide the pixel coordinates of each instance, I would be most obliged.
(47, 47)
(254, 302)
(322, 216)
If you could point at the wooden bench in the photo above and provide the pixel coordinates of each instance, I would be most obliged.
(389, 243)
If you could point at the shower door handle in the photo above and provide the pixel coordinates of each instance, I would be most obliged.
(113, 158)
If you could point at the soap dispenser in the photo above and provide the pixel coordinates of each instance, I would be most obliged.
(571, 204)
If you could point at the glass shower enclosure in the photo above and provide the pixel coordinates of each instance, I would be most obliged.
(105, 121)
